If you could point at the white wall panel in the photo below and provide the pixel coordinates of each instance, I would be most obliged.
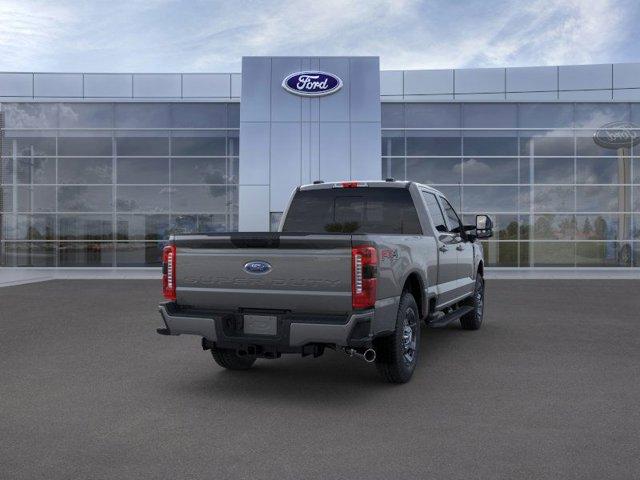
(532, 79)
(479, 80)
(334, 151)
(391, 82)
(285, 162)
(255, 145)
(157, 85)
(584, 77)
(335, 107)
(58, 85)
(427, 82)
(203, 85)
(108, 85)
(626, 75)
(16, 84)
(253, 208)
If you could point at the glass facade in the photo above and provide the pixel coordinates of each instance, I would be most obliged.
(557, 197)
(104, 184)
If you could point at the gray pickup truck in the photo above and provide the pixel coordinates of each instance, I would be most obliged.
(355, 266)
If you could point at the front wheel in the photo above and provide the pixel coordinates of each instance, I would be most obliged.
(397, 354)
(473, 319)
(230, 360)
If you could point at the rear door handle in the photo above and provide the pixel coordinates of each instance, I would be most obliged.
(443, 248)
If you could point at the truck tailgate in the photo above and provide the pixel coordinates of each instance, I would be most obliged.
(308, 273)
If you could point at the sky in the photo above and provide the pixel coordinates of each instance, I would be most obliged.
(212, 36)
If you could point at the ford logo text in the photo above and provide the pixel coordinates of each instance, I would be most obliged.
(617, 135)
(257, 267)
(312, 84)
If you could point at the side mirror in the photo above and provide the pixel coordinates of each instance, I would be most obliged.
(484, 226)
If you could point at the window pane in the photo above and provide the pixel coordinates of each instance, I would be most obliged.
(553, 254)
(603, 227)
(90, 146)
(199, 115)
(603, 199)
(143, 146)
(434, 171)
(554, 199)
(85, 170)
(142, 170)
(491, 144)
(490, 170)
(36, 227)
(233, 115)
(213, 144)
(545, 115)
(143, 199)
(546, 144)
(554, 227)
(93, 115)
(199, 170)
(233, 143)
(142, 115)
(433, 143)
(6, 170)
(603, 254)
(85, 227)
(598, 114)
(138, 254)
(490, 199)
(80, 254)
(392, 143)
(500, 254)
(199, 224)
(505, 227)
(143, 227)
(6, 199)
(39, 254)
(36, 170)
(553, 170)
(199, 199)
(274, 221)
(585, 145)
(392, 115)
(393, 168)
(432, 115)
(37, 199)
(636, 170)
(488, 115)
(30, 115)
(32, 146)
(85, 199)
(603, 170)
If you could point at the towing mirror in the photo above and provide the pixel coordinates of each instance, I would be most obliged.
(484, 226)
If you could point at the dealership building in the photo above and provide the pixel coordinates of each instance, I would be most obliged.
(98, 169)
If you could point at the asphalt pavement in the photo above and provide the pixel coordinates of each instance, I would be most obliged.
(549, 388)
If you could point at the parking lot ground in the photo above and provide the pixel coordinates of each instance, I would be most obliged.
(549, 388)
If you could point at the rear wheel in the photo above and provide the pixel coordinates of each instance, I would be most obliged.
(397, 354)
(473, 319)
(230, 360)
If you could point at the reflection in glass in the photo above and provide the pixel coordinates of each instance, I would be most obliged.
(211, 144)
(505, 227)
(490, 143)
(142, 115)
(274, 221)
(85, 227)
(553, 254)
(85, 199)
(490, 199)
(603, 198)
(603, 170)
(393, 115)
(490, 170)
(199, 170)
(546, 144)
(182, 224)
(143, 227)
(500, 254)
(490, 115)
(553, 199)
(37, 254)
(554, 227)
(393, 168)
(83, 115)
(603, 254)
(81, 254)
(199, 115)
(199, 199)
(36, 170)
(146, 146)
(85, 170)
(545, 115)
(32, 146)
(392, 143)
(440, 143)
(143, 199)
(30, 115)
(36, 199)
(433, 171)
(93, 146)
(602, 226)
(598, 114)
(142, 170)
(432, 115)
(138, 254)
(553, 170)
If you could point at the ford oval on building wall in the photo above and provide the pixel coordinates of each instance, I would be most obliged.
(312, 83)
(617, 135)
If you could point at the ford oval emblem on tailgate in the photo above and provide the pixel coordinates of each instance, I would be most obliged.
(257, 267)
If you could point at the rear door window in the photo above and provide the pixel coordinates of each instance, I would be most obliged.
(347, 210)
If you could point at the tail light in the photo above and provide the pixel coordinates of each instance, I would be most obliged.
(364, 270)
(169, 272)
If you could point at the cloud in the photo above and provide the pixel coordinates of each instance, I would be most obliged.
(165, 35)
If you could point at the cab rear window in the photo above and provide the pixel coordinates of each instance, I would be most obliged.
(353, 210)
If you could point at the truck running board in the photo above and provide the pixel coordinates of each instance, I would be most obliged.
(437, 321)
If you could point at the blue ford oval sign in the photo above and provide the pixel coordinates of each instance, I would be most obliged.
(312, 83)
(257, 267)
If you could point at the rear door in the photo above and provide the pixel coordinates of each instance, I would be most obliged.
(447, 253)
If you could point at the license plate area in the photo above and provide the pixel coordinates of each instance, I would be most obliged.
(260, 325)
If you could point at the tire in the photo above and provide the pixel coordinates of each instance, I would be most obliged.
(397, 354)
(473, 319)
(230, 360)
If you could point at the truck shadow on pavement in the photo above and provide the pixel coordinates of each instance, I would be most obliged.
(334, 377)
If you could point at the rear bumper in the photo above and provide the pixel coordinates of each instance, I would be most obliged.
(293, 331)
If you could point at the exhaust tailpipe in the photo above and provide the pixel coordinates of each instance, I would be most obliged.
(369, 355)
